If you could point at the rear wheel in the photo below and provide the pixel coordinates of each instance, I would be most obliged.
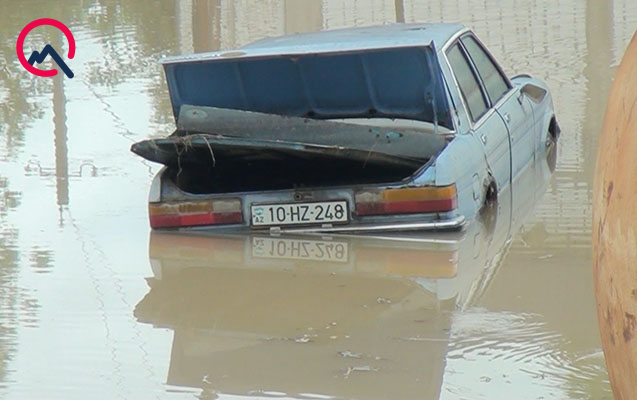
(488, 213)
(491, 193)
(553, 133)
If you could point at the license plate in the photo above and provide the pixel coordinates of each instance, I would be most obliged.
(300, 249)
(325, 212)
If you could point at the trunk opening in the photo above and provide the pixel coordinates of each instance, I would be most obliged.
(283, 173)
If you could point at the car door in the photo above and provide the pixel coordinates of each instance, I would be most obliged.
(514, 109)
(487, 126)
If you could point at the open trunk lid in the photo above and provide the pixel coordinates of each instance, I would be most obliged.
(398, 82)
(255, 120)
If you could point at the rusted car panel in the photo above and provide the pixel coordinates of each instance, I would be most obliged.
(401, 127)
(207, 135)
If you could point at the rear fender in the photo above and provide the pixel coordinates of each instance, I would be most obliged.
(462, 162)
(542, 102)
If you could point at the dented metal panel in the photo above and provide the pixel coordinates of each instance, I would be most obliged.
(206, 135)
(216, 150)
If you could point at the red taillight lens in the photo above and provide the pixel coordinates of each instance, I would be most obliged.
(195, 213)
(410, 200)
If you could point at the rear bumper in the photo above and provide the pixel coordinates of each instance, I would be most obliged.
(167, 192)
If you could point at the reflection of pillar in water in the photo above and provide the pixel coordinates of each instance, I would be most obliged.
(183, 26)
(599, 44)
(59, 122)
(400, 10)
(206, 24)
(303, 16)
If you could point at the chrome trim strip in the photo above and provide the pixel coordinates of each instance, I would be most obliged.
(453, 39)
(430, 239)
(454, 223)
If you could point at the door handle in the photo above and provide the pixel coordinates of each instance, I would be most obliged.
(507, 118)
(483, 137)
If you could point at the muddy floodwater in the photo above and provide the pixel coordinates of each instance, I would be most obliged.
(94, 305)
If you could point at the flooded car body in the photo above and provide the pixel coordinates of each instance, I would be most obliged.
(389, 128)
(325, 316)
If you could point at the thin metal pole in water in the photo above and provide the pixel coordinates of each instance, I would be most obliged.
(60, 133)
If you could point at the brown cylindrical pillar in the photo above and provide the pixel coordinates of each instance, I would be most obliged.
(615, 229)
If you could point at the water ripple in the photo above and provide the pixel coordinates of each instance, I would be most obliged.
(498, 349)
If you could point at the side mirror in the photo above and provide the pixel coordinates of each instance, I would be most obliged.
(533, 92)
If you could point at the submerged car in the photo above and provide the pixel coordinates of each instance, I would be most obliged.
(396, 127)
(237, 300)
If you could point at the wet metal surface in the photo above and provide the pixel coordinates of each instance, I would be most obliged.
(94, 306)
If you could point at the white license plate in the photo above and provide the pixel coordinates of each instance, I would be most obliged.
(300, 249)
(325, 212)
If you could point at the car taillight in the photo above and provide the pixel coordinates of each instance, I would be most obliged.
(195, 213)
(408, 200)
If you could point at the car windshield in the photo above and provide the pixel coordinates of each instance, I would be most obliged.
(394, 83)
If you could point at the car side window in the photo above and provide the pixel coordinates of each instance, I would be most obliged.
(495, 84)
(468, 82)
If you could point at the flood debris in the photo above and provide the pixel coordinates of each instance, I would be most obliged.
(420, 339)
(364, 368)
(349, 354)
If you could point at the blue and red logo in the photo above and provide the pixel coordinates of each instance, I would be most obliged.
(39, 56)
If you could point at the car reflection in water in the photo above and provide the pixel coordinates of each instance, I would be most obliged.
(365, 317)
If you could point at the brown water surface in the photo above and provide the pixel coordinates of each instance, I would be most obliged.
(92, 305)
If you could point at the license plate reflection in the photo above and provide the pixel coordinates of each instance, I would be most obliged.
(300, 249)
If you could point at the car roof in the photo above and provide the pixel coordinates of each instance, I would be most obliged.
(338, 40)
